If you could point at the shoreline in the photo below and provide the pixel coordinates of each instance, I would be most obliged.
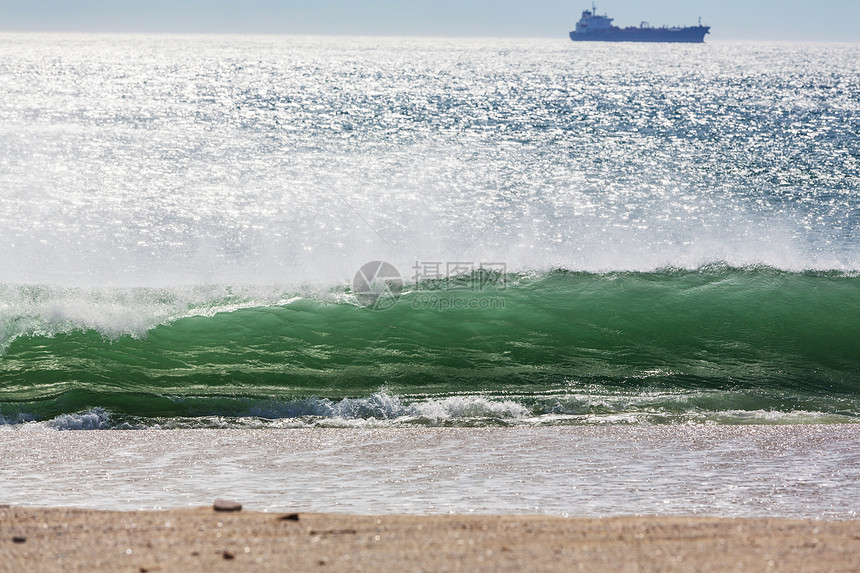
(797, 472)
(49, 539)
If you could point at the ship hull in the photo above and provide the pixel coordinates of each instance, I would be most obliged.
(691, 35)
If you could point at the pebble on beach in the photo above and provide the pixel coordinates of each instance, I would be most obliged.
(227, 505)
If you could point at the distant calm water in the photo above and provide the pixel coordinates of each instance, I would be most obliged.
(586, 234)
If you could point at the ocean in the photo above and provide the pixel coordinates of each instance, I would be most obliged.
(493, 239)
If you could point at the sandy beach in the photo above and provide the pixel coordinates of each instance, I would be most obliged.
(35, 539)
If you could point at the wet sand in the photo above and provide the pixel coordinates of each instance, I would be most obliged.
(38, 539)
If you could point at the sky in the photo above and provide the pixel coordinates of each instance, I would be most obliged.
(819, 20)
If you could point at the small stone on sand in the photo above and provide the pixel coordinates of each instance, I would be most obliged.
(227, 505)
(18, 539)
(289, 517)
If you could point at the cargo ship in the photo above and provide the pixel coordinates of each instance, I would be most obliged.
(595, 28)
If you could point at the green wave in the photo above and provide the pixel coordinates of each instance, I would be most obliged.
(782, 339)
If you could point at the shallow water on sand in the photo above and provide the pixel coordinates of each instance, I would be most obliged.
(806, 471)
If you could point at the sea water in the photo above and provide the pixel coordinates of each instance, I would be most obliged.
(581, 234)
(799, 471)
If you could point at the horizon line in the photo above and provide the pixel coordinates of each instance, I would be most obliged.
(562, 37)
